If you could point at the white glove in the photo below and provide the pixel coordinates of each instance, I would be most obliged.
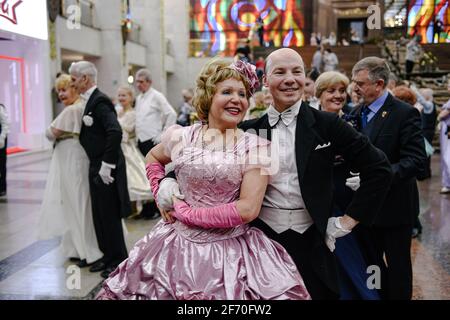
(167, 189)
(49, 134)
(105, 173)
(353, 182)
(2, 142)
(330, 242)
(334, 231)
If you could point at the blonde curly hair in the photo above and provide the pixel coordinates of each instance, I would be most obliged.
(215, 71)
(64, 81)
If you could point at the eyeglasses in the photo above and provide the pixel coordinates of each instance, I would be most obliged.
(361, 84)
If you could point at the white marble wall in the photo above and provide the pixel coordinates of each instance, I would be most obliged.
(149, 14)
(112, 68)
(37, 103)
(177, 31)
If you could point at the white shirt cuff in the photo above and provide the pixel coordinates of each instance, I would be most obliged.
(112, 166)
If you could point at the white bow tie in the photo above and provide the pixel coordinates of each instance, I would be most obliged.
(286, 116)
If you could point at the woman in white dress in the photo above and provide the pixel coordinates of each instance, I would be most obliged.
(138, 185)
(66, 209)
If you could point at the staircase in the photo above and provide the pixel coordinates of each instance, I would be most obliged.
(438, 81)
(395, 12)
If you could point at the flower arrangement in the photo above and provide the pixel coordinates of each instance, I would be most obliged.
(249, 72)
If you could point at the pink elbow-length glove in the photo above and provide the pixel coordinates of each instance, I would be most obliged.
(223, 216)
(155, 172)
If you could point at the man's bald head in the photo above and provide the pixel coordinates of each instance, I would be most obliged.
(285, 77)
(283, 53)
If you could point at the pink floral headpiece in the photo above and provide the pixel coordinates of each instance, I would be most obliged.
(249, 72)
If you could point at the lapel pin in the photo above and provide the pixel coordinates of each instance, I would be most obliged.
(384, 114)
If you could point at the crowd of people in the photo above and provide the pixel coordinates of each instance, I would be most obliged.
(286, 189)
(317, 39)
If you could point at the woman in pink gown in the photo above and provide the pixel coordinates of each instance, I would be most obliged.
(205, 249)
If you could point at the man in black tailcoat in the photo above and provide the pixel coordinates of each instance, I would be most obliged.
(100, 137)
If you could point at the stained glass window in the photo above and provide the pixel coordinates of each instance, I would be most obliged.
(220, 26)
(430, 19)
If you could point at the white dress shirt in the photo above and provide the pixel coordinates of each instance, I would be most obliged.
(85, 96)
(154, 115)
(283, 206)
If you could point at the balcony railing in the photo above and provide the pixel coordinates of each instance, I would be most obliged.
(86, 8)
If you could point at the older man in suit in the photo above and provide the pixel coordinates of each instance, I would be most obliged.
(100, 137)
(395, 128)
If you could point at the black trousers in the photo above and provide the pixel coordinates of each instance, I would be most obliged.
(393, 243)
(149, 208)
(3, 167)
(145, 146)
(107, 221)
(409, 67)
(300, 247)
(426, 172)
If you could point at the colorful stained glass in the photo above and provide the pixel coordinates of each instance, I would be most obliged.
(220, 26)
(430, 19)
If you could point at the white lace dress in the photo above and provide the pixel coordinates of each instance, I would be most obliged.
(138, 185)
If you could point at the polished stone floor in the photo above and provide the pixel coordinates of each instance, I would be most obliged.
(33, 269)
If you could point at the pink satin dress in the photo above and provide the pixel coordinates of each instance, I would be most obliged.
(176, 261)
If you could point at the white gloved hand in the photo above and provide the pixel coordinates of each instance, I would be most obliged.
(330, 242)
(105, 173)
(167, 189)
(353, 182)
(334, 231)
(49, 134)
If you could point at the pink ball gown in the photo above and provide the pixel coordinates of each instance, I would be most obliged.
(176, 261)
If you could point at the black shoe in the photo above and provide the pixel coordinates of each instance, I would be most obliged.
(3, 194)
(98, 266)
(148, 210)
(105, 274)
(83, 264)
(74, 259)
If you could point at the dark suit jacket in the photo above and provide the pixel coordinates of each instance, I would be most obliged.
(397, 132)
(101, 141)
(315, 172)
(315, 167)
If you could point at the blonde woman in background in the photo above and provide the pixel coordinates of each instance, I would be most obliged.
(66, 209)
(138, 187)
(331, 91)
